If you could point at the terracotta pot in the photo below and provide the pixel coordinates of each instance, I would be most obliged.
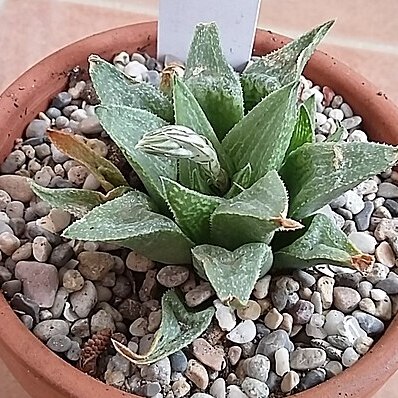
(42, 373)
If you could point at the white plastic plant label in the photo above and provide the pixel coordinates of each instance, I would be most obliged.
(236, 19)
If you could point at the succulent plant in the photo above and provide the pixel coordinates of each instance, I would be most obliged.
(234, 178)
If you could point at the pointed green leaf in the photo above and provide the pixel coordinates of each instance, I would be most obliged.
(76, 201)
(338, 135)
(240, 181)
(280, 67)
(263, 136)
(188, 113)
(178, 329)
(252, 215)
(126, 126)
(303, 130)
(191, 209)
(317, 173)
(74, 146)
(322, 243)
(233, 274)
(310, 105)
(199, 182)
(212, 80)
(130, 222)
(114, 87)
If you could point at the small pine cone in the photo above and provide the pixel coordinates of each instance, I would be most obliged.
(92, 349)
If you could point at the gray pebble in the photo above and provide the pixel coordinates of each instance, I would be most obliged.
(74, 351)
(362, 219)
(27, 320)
(235, 392)
(302, 312)
(350, 356)
(59, 343)
(254, 388)
(290, 381)
(53, 113)
(24, 304)
(9, 288)
(258, 367)
(61, 254)
(37, 128)
(61, 100)
(346, 299)
(61, 122)
(81, 328)
(59, 302)
(268, 345)
(84, 300)
(392, 207)
(159, 371)
(354, 202)
(218, 388)
(388, 190)
(13, 162)
(313, 378)
(363, 241)
(90, 126)
(351, 122)
(307, 358)
(178, 362)
(172, 275)
(47, 329)
(305, 279)
(390, 284)
(370, 324)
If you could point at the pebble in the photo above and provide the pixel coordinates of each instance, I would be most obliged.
(9, 243)
(225, 316)
(350, 328)
(325, 286)
(139, 263)
(81, 328)
(282, 364)
(95, 265)
(56, 221)
(213, 357)
(24, 304)
(73, 280)
(149, 286)
(290, 381)
(172, 275)
(257, 367)
(102, 320)
(218, 388)
(61, 100)
(61, 254)
(243, 332)
(251, 311)
(10, 288)
(379, 273)
(84, 300)
(59, 343)
(135, 69)
(363, 344)
(302, 312)
(139, 327)
(39, 280)
(159, 371)
(36, 128)
(354, 202)
(333, 368)
(178, 362)
(369, 323)
(362, 219)
(47, 329)
(197, 373)
(271, 343)
(235, 392)
(305, 279)
(313, 378)
(346, 299)
(307, 358)
(363, 241)
(273, 319)
(390, 284)
(350, 356)
(385, 229)
(90, 126)
(234, 354)
(388, 190)
(391, 206)
(17, 187)
(13, 162)
(351, 122)
(181, 388)
(74, 351)
(41, 249)
(199, 295)
(254, 388)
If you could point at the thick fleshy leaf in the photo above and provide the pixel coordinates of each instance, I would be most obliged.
(240, 181)
(191, 209)
(322, 243)
(178, 329)
(280, 67)
(233, 274)
(252, 215)
(130, 222)
(114, 87)
(303, 131)
(263, 136)
(188, 113)
(317, 173)
(200, 182)
(338, 135)
(126, 126)
(212, 80)
(107, 174)
(75, 201)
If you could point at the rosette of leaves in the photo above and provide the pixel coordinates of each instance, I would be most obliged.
(234, 178)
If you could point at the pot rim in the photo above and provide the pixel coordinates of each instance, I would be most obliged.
(365, 377)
